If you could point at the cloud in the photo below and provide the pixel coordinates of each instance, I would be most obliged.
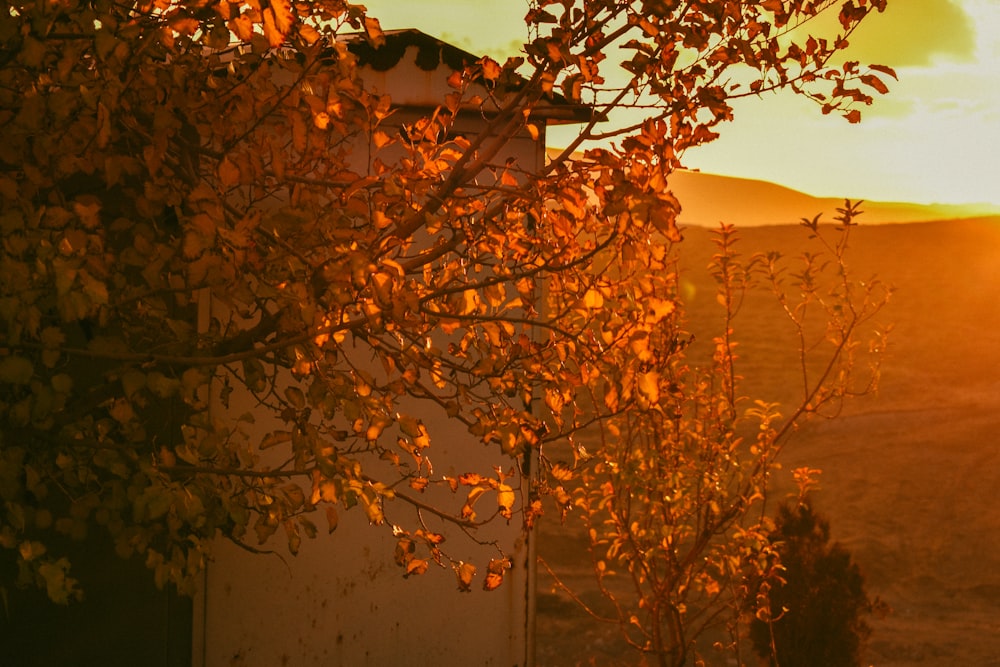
(916, 33)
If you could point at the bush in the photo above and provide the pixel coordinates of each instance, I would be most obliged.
(814, 615)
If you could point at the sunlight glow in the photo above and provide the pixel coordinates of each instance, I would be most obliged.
(934, 139)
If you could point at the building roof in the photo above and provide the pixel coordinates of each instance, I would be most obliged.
(431, 53)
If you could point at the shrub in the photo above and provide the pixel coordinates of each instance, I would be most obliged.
(814, 616)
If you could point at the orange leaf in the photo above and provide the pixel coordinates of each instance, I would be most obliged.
(416, 566)
(277, 160)
(275, 37)
(185, 25)
(874, 82)
(283, 16)
(495, 572)
(308, 34)
(885, 70)
(381, 138)
(470, 479)
(229, 173)
(430, 537)
(491, 68)
(242, 26)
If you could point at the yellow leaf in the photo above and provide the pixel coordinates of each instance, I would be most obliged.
(470, 302)
(593, 299)
(657, 309)
(649, 386)
(374, 431)
(314, 496)
(468, 512)
(505, 500)
(465, 572)
(328, 491)
(382, 286)
(492, 331)
(562, 473)
(639, 343)
(555, 401)
(372, 505)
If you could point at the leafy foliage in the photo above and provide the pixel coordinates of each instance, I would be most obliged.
(203, 202)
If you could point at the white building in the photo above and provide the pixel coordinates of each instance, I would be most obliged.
(342, 600)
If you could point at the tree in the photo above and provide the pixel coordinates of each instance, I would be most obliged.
(158, 154)
(673, 494)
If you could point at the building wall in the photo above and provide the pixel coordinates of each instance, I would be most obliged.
(343, 600)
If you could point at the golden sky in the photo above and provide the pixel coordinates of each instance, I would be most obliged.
(934, 139)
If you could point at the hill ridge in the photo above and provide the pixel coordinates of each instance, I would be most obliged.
(708, 199)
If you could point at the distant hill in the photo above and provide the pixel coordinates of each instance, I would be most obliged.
(708, 199)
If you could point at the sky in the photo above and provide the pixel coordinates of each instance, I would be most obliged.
(934, 139)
